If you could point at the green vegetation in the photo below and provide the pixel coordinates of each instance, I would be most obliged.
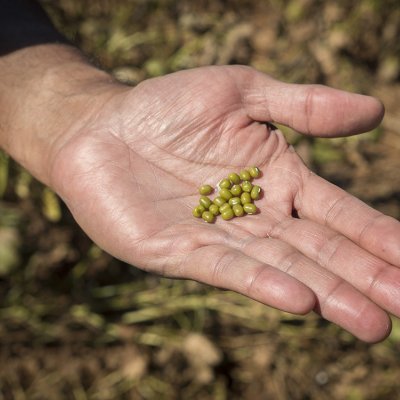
(77, 324)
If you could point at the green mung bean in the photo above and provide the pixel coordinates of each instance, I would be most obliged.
(214, 209)
(227, 214)
(236, 190)
(224, 207)
(247, 186)
(254, 172)
(249, 208)
(205, 202)
(208, 216)
(234, 200)
(225, 184)
(225, 194)
(238, 210)
(245, 175)
(255, 192)
(219, 201)
(198, 211)
(234, 178)
(245, 198)
(205, 190)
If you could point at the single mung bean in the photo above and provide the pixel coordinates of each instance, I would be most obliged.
(227, 214)
(205, 202)
(254, 172)
(198, 211)
(245, 198)
(218, 201)
(225, 194)
(234, 200)
(234, 178)
(205, 190)
(238, 210)
(214, 209)
(225, 184)
(249, 208)
(255, 192)
(236, 190)
(247, 186)
(224, 207)
(245, 175)
(208, 216)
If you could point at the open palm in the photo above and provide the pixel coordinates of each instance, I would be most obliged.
(130, 176)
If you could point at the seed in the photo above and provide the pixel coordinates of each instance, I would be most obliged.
(225, 184)
(227, 214)
(205, 190)
(198, 211)
(255, 192)
(254, 172)
(214, 209)
(245, 198)
(249, 208)
(245, 175)
(224, 207)
(225, 194)
(235, 197)
(234, 178)
(208, 216)
(247, 186)
(218, 201)
(234, 200)
(205, 202)
(238, 210)
(236, 190)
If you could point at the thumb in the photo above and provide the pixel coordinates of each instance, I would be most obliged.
(314, 110)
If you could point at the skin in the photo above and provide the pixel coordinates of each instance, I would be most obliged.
(128, 162)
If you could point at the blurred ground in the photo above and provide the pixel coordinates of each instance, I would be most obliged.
(77, 324)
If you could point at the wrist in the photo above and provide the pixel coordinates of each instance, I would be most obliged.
(47, 93)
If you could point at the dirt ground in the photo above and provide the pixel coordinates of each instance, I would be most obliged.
(77, 324)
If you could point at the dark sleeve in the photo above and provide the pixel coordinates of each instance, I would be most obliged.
(23, 23)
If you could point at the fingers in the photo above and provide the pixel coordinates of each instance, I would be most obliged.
(337, 300)
(328, 205)
(314, 110)
(372, 276)
(227, 268)
(206, 254)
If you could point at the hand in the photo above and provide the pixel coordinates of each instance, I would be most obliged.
(130, 175)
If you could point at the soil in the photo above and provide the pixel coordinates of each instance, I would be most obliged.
(76, 323)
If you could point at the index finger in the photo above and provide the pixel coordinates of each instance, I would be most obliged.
(329, 205)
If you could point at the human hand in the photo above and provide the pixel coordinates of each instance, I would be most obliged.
(130, 175)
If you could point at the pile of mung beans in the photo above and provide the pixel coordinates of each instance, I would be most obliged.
(236, 194)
